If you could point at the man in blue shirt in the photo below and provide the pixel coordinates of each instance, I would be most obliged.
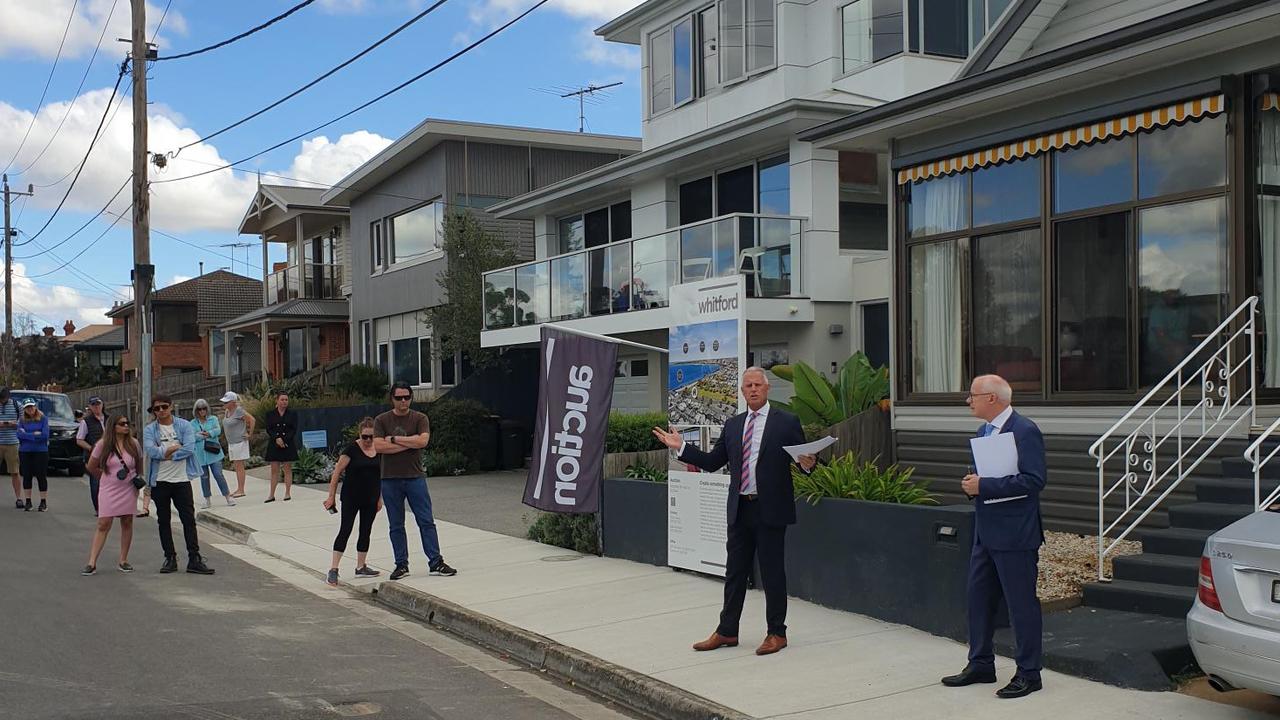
(9, 441)
(170, 444)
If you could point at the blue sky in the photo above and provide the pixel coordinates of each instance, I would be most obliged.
(497, 83)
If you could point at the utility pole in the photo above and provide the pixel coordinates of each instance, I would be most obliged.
(143, 270)
(6, 353)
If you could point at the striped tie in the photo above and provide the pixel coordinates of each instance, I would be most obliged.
(746, 450)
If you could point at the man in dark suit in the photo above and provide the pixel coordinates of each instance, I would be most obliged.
(761, 505)
(1006, 545)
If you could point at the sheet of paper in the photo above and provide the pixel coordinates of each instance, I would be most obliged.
(995, 455)
(812, 448)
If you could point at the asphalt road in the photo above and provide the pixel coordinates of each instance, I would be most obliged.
(254, 642)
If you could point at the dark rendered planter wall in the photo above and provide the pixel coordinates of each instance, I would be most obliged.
(891, 562)
(634, 520)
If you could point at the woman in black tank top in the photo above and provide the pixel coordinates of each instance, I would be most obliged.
(361, 495)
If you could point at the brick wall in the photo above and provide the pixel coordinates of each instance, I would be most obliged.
(173, 355)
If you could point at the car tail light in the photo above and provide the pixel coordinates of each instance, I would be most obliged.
(1208, 593)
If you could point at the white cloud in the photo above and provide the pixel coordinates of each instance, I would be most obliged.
(344, 6)
(55, 303)
(215, 201)
(595, 49)
(35, 27)
(177, 279)
(591, 48)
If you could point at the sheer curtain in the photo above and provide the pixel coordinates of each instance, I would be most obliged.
(940, 205)
(1269, 224)
(935, 312)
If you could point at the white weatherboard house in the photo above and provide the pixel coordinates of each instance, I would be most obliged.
(724, 183)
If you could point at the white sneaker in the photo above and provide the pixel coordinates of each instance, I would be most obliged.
(206, 504)
(230, 502)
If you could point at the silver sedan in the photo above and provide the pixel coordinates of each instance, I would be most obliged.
(1234, 625)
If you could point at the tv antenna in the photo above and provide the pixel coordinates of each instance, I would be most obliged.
(235, 246)
(586, 96)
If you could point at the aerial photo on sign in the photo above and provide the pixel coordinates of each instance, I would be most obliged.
(703, 374)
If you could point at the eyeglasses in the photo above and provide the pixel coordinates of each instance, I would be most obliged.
(971, 396)
(366, 437)
(402, 398)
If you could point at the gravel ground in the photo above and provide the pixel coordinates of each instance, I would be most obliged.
(1068, 561)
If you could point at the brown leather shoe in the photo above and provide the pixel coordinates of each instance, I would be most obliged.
(715, 641)
(771, 644)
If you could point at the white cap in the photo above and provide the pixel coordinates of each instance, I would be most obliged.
(29, 403)
(229, 397)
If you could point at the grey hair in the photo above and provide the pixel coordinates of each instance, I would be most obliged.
(757, 368)
(201, 403)
(998, 385)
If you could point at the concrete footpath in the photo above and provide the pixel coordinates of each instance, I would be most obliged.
(623, 629)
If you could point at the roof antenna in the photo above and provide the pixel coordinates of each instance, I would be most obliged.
(586, 95)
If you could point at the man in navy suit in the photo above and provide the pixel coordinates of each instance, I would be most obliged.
(1007, 537)
(761, 505)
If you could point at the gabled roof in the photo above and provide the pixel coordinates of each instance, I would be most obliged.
(218, 296)
(87, 332)
(284, 199)
(112, 339)
(318, 310)
(626, 27)
(431, 132)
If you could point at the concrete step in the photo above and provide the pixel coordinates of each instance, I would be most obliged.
(1238, 467)
(1144, 597)
(1230, 490)
(1179, 570)
(1207, 515)
(1186, 542)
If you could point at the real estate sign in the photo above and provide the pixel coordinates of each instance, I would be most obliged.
(707, 345)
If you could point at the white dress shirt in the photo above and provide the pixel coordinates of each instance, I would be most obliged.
(1000, 420)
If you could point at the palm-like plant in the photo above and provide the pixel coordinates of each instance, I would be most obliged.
(817, 401)
(847, 478)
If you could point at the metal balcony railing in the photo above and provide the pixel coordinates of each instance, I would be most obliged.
(637, 274)
(308, 280)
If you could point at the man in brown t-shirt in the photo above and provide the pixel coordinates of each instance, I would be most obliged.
(400, 436)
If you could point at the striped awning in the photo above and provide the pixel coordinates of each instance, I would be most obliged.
(1271, 101)
(1083, 135)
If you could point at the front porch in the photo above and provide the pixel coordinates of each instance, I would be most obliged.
(295, 336)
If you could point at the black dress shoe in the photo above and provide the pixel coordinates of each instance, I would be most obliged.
(969, 676)
(170, 564)
(1018, 687)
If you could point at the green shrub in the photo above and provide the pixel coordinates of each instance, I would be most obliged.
(633, 432)
(436, 463)
(312, 467)
(818, 402)
(365, 381)
(572, 531)
(644, 471)
(846, 478)
(455, 426)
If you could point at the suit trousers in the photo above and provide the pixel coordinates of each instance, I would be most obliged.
(1010, 574)
(748, 537)
(180, 495)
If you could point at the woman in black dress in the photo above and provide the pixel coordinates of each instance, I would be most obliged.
(361, 494)
(282, 444)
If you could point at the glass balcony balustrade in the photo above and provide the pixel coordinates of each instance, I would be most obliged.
(637, 274)
(306, 280)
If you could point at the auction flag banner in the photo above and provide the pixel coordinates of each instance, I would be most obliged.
(707, 353)
(574, 397)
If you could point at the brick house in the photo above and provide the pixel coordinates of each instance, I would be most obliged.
(186, 319)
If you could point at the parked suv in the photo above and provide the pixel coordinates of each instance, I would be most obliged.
(64, 454)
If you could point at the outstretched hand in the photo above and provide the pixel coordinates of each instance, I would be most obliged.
(668, 437)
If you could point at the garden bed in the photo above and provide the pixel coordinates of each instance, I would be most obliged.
(1069, 561)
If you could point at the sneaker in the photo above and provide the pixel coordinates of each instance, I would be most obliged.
(442, 568)
(170, 564)
(27, 507)
(332, 577)
(230, 502)
(18, 504)
(89, 570)
(399, 572)
(125, 567)
(196, 566)
(44, 505)
(206, 504)
(366, 571)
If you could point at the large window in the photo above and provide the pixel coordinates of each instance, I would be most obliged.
(1096, 285)
(595, 227)
(405, 355)
(175, 323)
(418, 232)
(872, 31)
(1267, 276)
(721, 43)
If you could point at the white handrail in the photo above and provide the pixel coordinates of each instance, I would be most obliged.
(1254, 455)
(1168, 455)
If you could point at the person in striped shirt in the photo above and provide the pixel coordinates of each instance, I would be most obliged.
(9, 442)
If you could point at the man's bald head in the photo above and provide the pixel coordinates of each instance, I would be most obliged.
(989, 395)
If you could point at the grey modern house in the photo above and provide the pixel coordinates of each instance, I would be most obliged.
(398, 201)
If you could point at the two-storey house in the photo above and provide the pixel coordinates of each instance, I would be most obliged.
(725, 183)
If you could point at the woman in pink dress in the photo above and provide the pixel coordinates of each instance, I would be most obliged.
(118, 457)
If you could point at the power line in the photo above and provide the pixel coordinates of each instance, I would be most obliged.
(242, 35)
(75, 257)
(82, 275)
(76, 97)
(316, 81)
(197, 246)
(110, 119)
(82, 227)
(383, 96)
(156, 33)
(44, 92)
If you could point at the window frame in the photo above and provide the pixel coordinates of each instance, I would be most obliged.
(389, 237)
(1047, 222)
(582, 217)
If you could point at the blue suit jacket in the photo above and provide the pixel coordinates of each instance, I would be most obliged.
(1014, 524)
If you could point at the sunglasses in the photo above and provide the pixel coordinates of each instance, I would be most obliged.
(366, 437)
(158, 408)
(403, 398)
(123, 423)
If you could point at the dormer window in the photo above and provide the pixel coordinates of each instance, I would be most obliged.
(719, 44)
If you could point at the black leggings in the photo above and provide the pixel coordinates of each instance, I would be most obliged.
(361, 499)
(35, 465)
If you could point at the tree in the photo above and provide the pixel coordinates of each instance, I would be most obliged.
(470, 251)
(41, 360)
